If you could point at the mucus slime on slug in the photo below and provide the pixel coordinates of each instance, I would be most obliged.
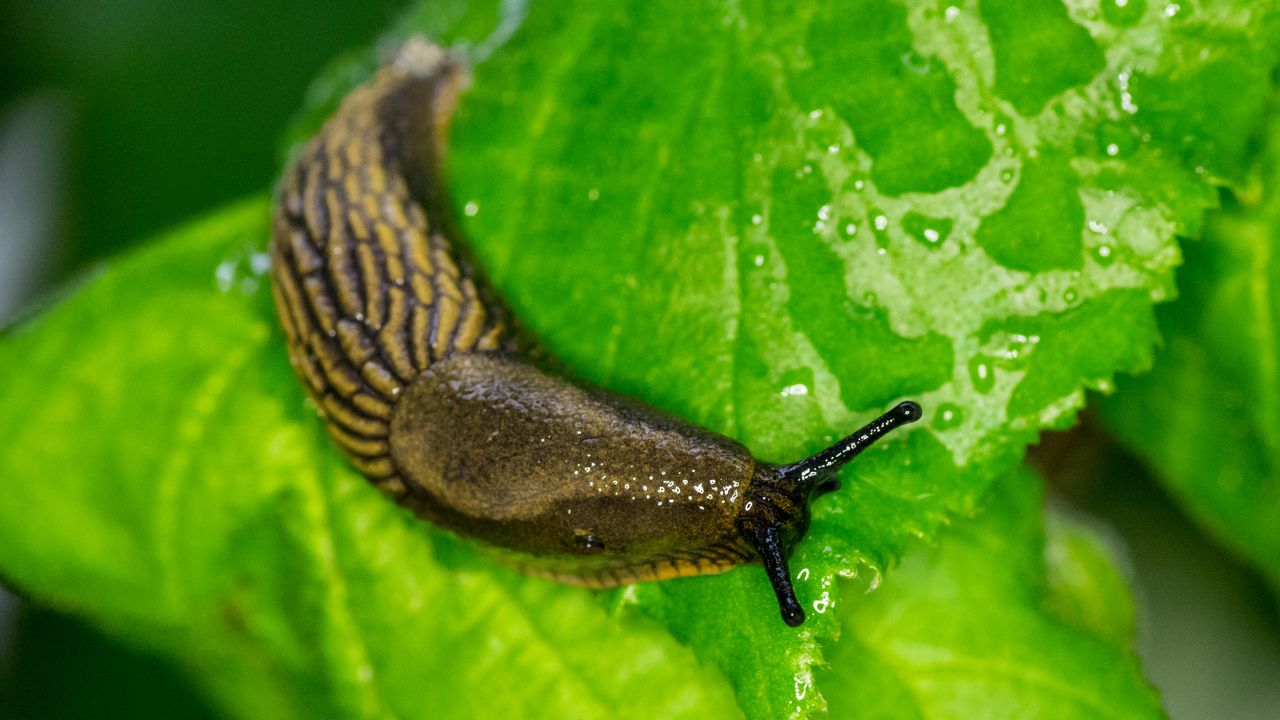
(427, 386)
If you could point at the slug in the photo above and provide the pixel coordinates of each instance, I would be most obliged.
(429, 388)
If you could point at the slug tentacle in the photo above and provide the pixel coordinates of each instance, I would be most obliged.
(780, 503)
(425, 383)
(813, 471)
(774, 557)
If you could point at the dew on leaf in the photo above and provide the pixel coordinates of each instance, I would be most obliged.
(982, 373)
(926, 230)
(1103, 255)
(880, 226)
(1123, 79)
(890, 100)
(796, 390)
(1115, 139)
(948, 415)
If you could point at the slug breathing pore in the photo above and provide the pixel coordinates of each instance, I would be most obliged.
(429, 388)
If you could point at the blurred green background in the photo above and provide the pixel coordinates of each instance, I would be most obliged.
(156, 111)
(119, 119)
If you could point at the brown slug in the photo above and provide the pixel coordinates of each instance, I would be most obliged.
(428, 388)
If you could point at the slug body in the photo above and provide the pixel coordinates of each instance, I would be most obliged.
(426, 385)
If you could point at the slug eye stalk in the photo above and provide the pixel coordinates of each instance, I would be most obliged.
(782, 505)
(815, 470)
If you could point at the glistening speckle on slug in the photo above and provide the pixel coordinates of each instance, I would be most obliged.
(427, 385)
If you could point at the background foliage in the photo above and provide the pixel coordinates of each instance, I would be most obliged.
(779, 217)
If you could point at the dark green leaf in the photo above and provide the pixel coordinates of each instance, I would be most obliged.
(1207, 418)
(968, 628)
(199, 509)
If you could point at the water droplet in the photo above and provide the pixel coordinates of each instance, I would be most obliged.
(1103, 255)
(1070, 295)
(757, 219)
(1172, 9)
(927, 230)
(471, 208)
(982, 373)
(879, 225)
(1019, 345)
(796, 390)
(824, 212)
(1126, 98)
(833, 149)
(951, 13)
(1006, 175)
(822, 603)
(1097, 226)
(759, 260)
(1115, 139)
(858, 184)
(947, 416)
(850, 230)
(593, 194)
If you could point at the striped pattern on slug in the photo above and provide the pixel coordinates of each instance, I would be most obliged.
(369, 289)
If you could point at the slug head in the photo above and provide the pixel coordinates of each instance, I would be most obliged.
(778, 513)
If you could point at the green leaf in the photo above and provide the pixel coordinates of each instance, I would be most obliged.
(1087, 577)
(966, 629)
(773, 219)
(835, 206)
(1207, 418)
(208, 518)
